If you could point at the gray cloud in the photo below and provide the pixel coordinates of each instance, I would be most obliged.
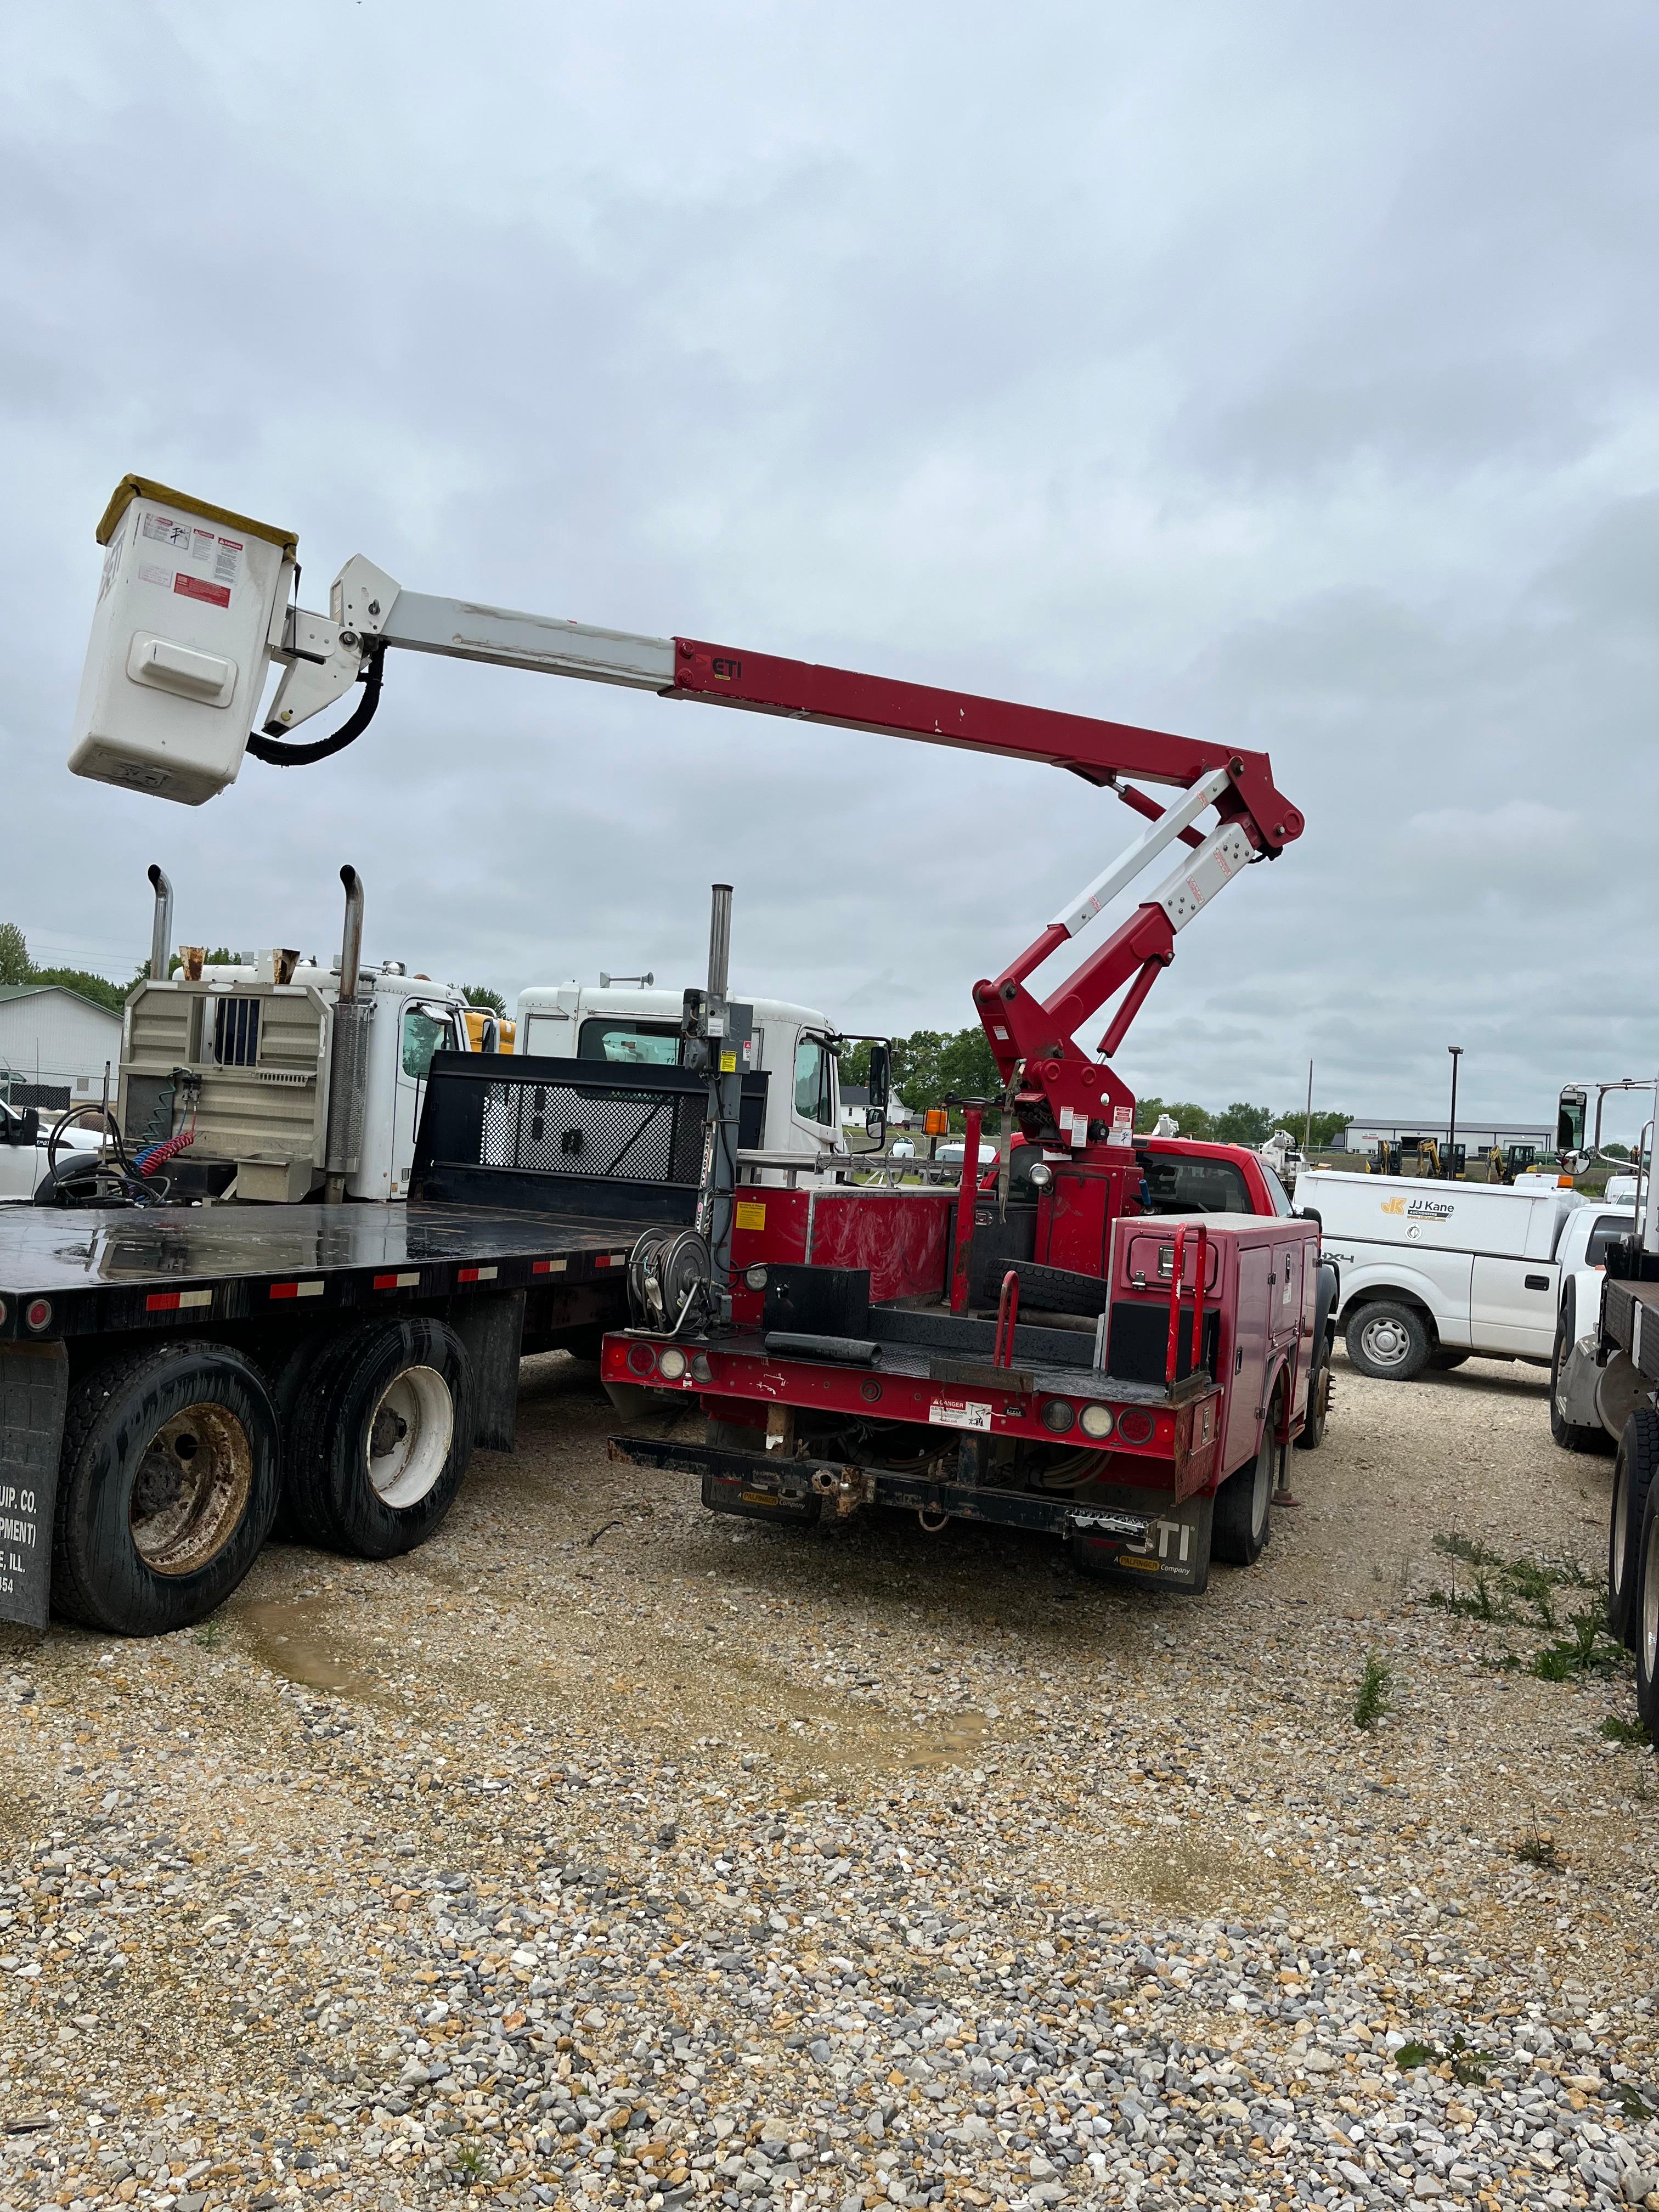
(1282, 376)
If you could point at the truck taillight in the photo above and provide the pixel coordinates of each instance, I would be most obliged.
(671, 1364)
(37, 1314)
(641, 1359)
(1135, 1425)
(1096, 1421)
(1058, 1416)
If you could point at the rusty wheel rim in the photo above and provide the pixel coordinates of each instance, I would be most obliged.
(191, 1491)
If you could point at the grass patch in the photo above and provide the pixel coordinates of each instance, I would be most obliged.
(1472, 1555)
(1374, 1695)
(471, 2163)
(1538, 1848)
(1517, 1589)
(1617, 1729)
(1587, 1650)
(1468, 2064)
(210, 1634)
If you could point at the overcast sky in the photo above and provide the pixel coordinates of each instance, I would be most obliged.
(1284, 375)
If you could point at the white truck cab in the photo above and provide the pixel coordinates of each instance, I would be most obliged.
(794, 1045)
(244, 1054)
(1435, 1272)
(25, 1140)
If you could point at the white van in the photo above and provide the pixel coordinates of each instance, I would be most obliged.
(641, 1027)
(1432, 1272)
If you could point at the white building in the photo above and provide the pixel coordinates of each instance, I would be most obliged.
(855, 1109)
(54, 1045)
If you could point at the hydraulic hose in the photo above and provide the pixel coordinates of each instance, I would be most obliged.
(280, 755)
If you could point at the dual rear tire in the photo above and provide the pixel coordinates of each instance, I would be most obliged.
(178, 1463)
(379, 1424)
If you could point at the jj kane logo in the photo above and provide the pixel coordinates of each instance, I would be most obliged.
(1419, 1209)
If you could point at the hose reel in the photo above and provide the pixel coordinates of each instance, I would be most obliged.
(669, 1281)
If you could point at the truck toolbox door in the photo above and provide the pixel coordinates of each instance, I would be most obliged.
(1242, 1375)
(1512, 1305)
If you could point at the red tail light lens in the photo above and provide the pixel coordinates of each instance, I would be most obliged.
(37, 1314)
(641, 1360)
(1135, 1425)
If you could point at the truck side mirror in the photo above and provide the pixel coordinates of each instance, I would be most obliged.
(881, 1077)
(1569, 1120)
(25, 1125)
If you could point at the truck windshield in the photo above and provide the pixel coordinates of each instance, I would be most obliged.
(636, 1044)
(1175, 1184)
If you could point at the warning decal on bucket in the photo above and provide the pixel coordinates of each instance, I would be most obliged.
(198, 587)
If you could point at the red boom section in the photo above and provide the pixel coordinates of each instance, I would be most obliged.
(1019, 1026)
(1098, 751)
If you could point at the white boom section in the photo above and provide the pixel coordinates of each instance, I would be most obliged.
(1151, 842)
(464, 630)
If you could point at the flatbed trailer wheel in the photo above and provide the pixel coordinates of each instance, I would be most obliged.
(1645, 1614)
(1633, 1479)
(168, 1488)
(1245, 1502)
(379, 1443)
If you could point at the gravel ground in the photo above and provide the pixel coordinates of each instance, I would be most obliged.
(604, 1851)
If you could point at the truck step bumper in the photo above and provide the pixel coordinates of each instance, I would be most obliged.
(1152, 1541)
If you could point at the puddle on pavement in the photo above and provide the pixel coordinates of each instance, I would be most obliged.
(295, 1640)
(962, 1740)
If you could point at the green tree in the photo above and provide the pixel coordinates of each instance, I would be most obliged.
(1243, 1124)
(98, 988)
(487, 1001)
(1327, 1126)
(15, 964)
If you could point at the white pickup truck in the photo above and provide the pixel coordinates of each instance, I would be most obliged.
(25, 1139)
(1434, 1273)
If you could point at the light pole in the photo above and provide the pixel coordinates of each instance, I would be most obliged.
(1456, 1052)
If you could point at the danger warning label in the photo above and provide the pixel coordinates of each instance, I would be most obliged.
(198, 588)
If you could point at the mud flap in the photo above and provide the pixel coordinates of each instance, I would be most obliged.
(33, 1392)
(763, 1493)
(1170, 1547)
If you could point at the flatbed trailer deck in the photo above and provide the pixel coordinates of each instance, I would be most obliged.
(78, 1275)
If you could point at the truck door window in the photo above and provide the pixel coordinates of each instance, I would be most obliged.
(1178, 1185)
(1277, 1192)
(812, 1081)
(424, 1035)
(1608, 1231)
(635, 1044)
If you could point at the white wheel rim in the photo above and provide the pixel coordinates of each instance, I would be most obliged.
(1649, 1652)
(1616, 1575)
(1385, 1343)
(413, 1428)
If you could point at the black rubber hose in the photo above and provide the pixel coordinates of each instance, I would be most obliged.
(278, 755)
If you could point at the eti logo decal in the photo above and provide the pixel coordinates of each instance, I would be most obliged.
(727, 671)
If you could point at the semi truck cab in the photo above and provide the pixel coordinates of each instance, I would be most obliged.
(793, 1045)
